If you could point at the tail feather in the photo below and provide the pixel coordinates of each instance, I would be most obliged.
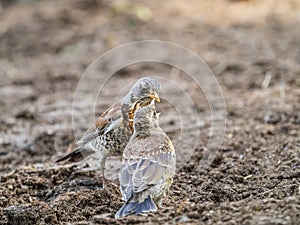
(130, 208)
(75, 156)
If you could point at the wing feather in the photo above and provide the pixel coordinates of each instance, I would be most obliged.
(139, 172)
(110, 119)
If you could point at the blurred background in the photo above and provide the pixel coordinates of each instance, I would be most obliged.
(252, 46)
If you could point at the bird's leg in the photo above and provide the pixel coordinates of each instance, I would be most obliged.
(159, 203)
(103, 178)
(102, 165)
(104, 181)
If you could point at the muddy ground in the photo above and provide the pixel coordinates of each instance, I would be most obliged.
(44, 49)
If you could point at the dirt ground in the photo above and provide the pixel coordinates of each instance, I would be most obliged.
(45, 47)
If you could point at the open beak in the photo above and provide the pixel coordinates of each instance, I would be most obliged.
(155, 97)
(152, 102)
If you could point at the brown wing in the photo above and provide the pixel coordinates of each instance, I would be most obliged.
(111, 115)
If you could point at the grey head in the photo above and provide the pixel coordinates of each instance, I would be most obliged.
(143, 92)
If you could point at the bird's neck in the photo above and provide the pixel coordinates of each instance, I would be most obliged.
(128, 114)
(126, 109)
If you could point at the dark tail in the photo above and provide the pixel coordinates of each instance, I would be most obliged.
(75, 156)
(136, 208)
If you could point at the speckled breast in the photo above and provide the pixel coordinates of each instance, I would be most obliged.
(116, 140)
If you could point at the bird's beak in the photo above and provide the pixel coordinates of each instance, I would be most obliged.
(155, 97)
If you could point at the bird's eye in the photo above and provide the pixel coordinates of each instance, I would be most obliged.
(154, 113)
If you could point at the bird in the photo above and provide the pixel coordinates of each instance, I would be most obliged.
(113, 129)
(148, 165)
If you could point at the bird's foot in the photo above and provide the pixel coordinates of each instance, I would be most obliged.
(106, 183)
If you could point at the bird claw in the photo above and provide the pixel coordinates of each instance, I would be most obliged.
(106, 182)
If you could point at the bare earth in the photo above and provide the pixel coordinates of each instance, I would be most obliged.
(45, 47)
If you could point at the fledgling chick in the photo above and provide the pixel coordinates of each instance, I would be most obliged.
(148, 165)
(114, 127)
